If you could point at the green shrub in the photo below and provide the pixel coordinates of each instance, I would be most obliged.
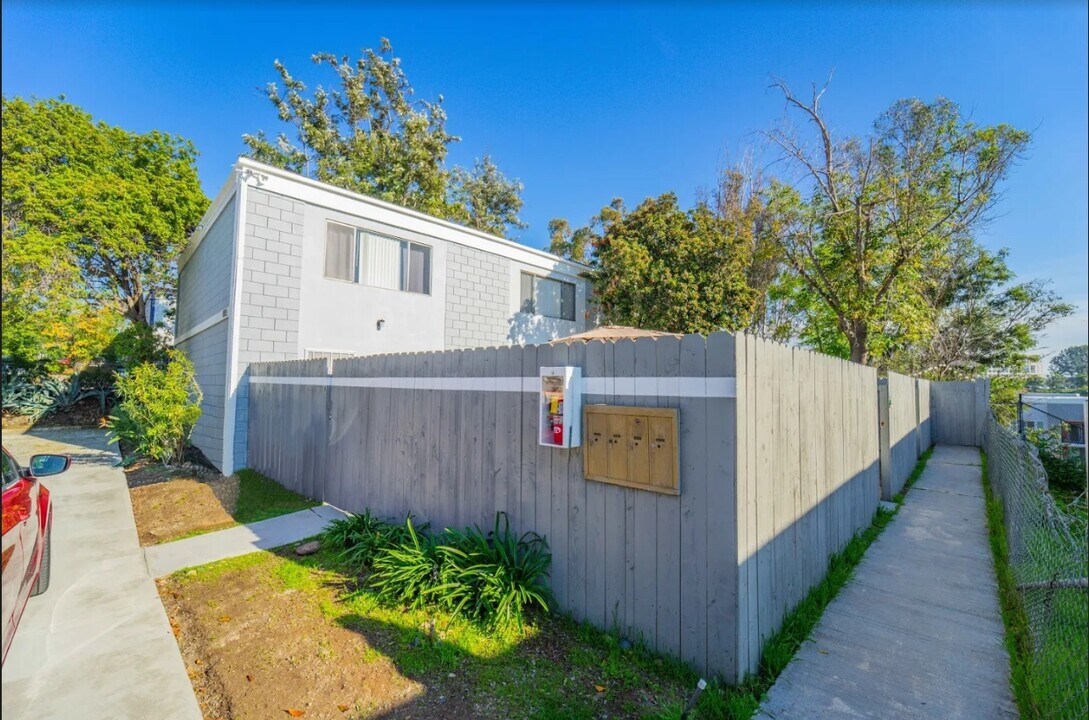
(158, 409)
(404, 572)
(1065, 468)
(360, 537)
(135, 345)
(493, 577)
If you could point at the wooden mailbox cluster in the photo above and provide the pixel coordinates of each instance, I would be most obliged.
(633, 446)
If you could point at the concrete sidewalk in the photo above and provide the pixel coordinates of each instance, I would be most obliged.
(242, 540)
(917, 632)
(97, 643)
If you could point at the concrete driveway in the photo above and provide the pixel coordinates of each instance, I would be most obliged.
(97, 644)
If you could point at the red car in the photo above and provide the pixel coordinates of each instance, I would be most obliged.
(27, 519)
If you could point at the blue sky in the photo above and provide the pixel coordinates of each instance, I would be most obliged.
(583, 104)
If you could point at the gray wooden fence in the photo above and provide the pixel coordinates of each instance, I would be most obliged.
(959, 409)
(808, 477)
(907, 416)
(778, 454)
(377, 434)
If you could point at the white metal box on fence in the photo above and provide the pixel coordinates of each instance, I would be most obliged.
(560, 414)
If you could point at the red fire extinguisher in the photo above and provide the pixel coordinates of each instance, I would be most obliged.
(557, 434)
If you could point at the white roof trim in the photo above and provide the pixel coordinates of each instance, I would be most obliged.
(209, 219)
(344, 200)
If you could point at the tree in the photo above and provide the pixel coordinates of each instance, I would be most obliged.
(981, 321)
(571, 244)
(740, 200)
(663, 268)
(371, 137)
(874, 212)
(94, 217)
(1072, 365)
(485, 199)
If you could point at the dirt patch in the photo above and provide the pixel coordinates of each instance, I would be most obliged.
(268, 633)
(174, 502)
(254, 650)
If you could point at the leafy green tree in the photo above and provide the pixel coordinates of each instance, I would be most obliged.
(1072, 366)
(94, 217)
(740, 199)
(370, 136)
(873, 213)
(485, 199)
(983, 320)
(570, 244)
(663, 268)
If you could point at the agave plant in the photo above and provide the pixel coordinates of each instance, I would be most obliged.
(68, 395)
(33, 400)
(16, 388)
(103, 394)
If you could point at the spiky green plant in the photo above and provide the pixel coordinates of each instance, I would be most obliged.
(403, 572)
(361, 537)
(493, 577)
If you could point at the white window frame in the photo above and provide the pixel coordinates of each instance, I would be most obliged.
(325, 252)
(534, 280)
(405, 259)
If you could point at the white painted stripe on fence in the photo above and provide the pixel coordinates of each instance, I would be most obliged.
(712, 387)
(319, 380)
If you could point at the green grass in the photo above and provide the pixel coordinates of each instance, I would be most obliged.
(1049, 683)
(260, 498)
(549, 669)
(1018, 637)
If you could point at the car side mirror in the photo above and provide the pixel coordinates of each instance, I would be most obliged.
(46, 465)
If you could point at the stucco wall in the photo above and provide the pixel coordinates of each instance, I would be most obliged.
(342, 317)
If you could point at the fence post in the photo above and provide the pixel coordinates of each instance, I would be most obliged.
(918, 421)
(982, 405)
(883, 438)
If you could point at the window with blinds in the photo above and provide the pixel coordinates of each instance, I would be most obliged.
(548, 297)
(376, 260)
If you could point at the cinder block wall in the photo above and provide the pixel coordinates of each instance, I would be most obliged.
(271, 284)
(477, 298)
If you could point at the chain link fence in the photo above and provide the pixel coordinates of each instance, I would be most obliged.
(1048, 555)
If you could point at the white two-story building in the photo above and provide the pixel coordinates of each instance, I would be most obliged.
(283, 267)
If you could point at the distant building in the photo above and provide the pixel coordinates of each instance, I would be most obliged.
(1031, 369)
(1065, 411)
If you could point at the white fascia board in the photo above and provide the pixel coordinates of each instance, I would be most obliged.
(321, 194)
(234, 317)
(209, 219)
